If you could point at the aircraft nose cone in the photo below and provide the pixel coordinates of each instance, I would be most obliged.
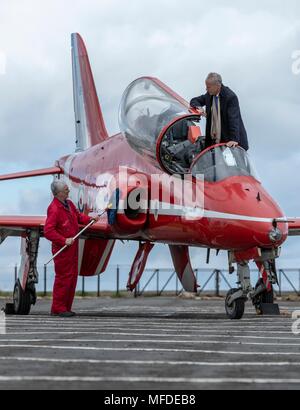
(276, 235)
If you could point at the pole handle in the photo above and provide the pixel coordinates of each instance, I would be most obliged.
(74, 239)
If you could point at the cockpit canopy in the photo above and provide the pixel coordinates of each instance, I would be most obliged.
(221, 162)
(161, 126)
(147, 108)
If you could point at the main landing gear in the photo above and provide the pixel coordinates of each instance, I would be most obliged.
(262, 296)
(24, 295)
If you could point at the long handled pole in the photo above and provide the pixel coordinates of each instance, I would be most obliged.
(77, 236)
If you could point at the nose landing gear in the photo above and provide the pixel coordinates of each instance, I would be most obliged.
(263, 300)
(262, 296)
(236, 298)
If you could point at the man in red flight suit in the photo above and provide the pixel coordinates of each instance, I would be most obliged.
(61, 226)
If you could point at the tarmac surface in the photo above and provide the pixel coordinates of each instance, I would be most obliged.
(149, 343)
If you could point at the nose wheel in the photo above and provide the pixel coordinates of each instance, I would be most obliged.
(262, 296)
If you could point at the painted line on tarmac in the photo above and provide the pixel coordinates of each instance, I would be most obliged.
(259, 319)
(169, 380)
(170, 322)
(148, 315)
(229, 326)
(151, 362)
(166, 326)
(174, 330)
(150, 341)
(149, 334)
(150, 350)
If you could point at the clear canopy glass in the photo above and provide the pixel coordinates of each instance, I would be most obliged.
(148, 106)
(221, 162)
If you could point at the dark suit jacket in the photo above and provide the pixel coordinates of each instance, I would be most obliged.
(233, 128)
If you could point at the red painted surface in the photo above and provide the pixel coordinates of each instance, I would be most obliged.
(96, 256)
(60, 225)
(229, 204)
(95, 123)
(183, 267)
(139, 265)
(30, 174)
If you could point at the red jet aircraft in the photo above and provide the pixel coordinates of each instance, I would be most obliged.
(160, 141)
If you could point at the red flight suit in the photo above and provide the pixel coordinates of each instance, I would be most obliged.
(63, 223)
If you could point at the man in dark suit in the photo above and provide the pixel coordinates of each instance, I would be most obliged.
(224, 120)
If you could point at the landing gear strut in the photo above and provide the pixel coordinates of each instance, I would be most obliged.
(236, 298)
(23, 299)
(24, 295)
(262, 296)
(263, 300)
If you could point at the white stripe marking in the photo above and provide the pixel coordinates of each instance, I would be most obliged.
(175, 328)
(104, 257)
(179, 210)
(170, 330)
(186, 322)
(152, 362)
(150, 341)
(146, 380)
(149, 334)
(142, 320)
(80, 253)
(169, 322)
(150, 350)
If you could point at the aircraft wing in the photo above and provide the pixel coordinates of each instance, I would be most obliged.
(17, 226)
(294, 227)
(31, 174)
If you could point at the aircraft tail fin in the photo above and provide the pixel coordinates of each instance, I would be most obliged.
(90, 126)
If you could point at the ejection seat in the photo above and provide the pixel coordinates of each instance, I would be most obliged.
(180, 146)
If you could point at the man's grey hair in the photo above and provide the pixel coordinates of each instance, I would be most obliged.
(215, 78)
(57, 186)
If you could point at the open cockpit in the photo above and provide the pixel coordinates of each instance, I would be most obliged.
(160, 125)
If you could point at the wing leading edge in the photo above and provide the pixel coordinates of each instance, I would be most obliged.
(31, 174)
(18, 225)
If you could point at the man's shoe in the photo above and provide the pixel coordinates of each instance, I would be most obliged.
(63, 314)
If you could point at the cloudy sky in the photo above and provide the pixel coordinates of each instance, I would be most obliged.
(252, 44)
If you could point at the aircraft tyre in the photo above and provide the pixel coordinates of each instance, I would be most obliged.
(236, 310)
(265, 297)
(22, 300)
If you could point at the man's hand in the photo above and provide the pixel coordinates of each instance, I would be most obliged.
(202, 112)
(232, 144)
(70, 242)
(96, 219)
